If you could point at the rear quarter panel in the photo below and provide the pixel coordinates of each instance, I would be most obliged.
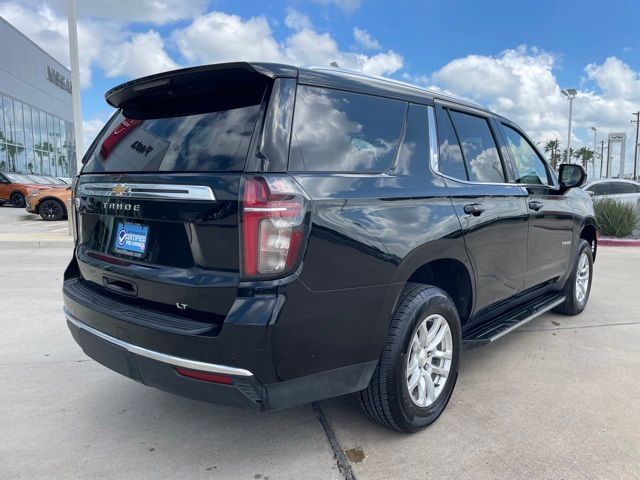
(369, 234)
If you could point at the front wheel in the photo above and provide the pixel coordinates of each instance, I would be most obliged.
(578, 286)
(51, 210)
(17, 200)
(418, 367)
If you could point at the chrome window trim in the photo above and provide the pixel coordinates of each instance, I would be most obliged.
(148, 190)
(160, 357)
(434, 159)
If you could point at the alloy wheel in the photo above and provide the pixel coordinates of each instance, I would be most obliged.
(429, 360)
(51, 210)
(583, 275)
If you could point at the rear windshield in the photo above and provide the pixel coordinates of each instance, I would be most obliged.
(217, 140)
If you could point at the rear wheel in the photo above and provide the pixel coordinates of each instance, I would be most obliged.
(17, 200)
(51, 210)
(418, 367)
(578, 286)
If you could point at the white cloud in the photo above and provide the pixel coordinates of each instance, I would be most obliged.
(143, 55)
(297, 20)
(346, 5)
(364, 39)
(220, 37)
(615, 78)
(157, 12)
(521, 85)
(49, 30)
(90, 129)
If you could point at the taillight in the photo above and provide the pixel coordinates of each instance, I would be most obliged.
(273, 225)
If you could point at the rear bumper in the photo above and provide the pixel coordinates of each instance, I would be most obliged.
(158, 370)
(118, 339)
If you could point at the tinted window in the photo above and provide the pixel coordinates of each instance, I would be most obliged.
(529, 166)
(156, 140)
(335, 131)
(622, 187)
(449, 153)
(600, 188)
(478, 148)
(414, 151)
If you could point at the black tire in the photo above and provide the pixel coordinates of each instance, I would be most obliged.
(51, 210)
(572, 305)
(387, 399)
(17, 200)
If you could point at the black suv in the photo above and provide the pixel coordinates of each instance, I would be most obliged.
(266, 236)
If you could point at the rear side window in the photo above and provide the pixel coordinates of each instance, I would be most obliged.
(450, 158)
(479, 148)
(622, 187)
(601, 188)
(216, 140)
(336, 131)
(529, 166)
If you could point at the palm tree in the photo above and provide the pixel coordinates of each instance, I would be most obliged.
(564, 155)
(552, 147)
(43, 149)
(584, 155)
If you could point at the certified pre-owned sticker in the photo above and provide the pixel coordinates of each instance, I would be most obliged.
(131, 239)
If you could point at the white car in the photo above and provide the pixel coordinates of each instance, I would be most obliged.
(627, 191)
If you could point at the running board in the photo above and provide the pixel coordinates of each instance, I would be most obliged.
(507, 322)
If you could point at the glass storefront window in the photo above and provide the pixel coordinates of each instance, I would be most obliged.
(33, 141)
(3, 158)
(28, 126)
(3, 137)
(43, 131)
(8, 119)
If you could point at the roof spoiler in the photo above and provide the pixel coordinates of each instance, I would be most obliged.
(190, 80)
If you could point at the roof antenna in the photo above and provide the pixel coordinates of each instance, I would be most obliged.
(334, 64)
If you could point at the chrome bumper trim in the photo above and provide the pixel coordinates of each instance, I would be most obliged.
(160, 357)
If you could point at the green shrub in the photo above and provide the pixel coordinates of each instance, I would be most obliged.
(615, 218)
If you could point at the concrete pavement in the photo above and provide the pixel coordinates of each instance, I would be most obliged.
(556, 399)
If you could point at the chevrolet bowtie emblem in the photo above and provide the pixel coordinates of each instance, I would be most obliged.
(119, 190)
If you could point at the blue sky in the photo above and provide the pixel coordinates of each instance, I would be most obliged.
(511, 56)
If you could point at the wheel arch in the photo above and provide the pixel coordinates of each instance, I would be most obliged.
(453, 277)
(589, 232)
(444, 264)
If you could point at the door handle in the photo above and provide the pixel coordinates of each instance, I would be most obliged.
(120, 286)
(474, 209)
(535, 205)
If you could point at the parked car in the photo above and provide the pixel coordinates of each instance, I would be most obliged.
(627, 191)
(50, 203)
(15, 187)
(266, 236)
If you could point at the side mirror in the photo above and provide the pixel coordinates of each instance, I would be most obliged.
(571, 176)
(591, 193)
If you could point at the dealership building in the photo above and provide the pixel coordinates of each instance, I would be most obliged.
(36, 113)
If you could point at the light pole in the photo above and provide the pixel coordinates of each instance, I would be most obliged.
(570, 93)
(593, 159)
(75, 81)
(635, 151)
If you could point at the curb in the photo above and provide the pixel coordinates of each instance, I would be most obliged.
(35, 244)
(618, 242)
